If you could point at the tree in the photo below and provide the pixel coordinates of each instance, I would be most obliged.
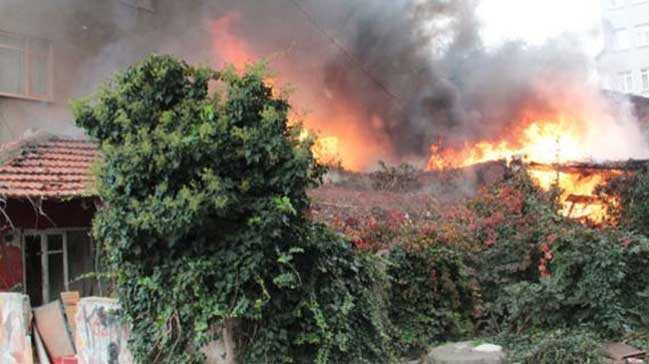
(205, 219)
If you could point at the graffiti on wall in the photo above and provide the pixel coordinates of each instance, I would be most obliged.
(101, 337)
(15, 344)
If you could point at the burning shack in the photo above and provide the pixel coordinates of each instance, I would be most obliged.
(580, 181)
(47, 209)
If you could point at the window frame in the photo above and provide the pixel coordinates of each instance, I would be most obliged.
(623, 85)
(644, 79)
(43, 233)
(616, 4)
(28, 56)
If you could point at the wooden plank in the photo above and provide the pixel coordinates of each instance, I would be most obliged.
(53, 328)
(40, 348)
(70, 298)
(70, 301)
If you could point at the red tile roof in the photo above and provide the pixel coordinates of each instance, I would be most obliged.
(47, 166)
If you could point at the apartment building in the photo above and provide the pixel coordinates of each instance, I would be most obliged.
(624, 63)
(52, 52)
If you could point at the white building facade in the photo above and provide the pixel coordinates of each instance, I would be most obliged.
(624, 64)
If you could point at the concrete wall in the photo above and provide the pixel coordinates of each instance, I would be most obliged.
(15, 342)
(101, 338)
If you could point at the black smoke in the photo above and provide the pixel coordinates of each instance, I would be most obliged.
(415, 71)
(426, 73)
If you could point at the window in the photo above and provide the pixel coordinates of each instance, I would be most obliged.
(621, 40)
(25, 67)
(642, 36)
(614, 4)
(625, 81)
(645, 79)
(56, 261)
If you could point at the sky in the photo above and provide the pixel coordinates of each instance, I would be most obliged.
(536, 21)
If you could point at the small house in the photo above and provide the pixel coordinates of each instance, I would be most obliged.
(46, 208)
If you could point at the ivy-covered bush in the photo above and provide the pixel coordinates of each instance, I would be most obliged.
(512, 220)
(527, 270)
(597, 280)
(554, 346)
(434, 296)
(205, 220)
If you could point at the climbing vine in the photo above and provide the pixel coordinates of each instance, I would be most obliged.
(205, 220)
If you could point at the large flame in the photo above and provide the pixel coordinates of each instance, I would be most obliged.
(547, 143)
(542, 141)
(348, 137)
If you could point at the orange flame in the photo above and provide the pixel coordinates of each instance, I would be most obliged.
(340, 132)
(578, 200)
(546, 142)
(346, 138)
(227, 47)
(541, 141)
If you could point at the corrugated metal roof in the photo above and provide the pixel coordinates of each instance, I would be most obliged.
(47, 166)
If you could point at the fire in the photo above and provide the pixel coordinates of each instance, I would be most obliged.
(546, 143)
(578, 198)
(541, 141)
(349, 135)
(341, 138)
(227, 47)
(326, 150)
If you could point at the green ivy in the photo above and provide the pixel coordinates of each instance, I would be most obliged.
(434, 296)
(553, 346)
(205, 219)
(597, 281)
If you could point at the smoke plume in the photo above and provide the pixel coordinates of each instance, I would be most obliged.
(387, 78)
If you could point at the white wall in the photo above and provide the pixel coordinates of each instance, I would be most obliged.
(612, 62)
(92, 39)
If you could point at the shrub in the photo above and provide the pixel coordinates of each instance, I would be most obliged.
(433, 298)
(596, 279)
(534, 269)
(205, 220)
(550, 347)
(511, 222)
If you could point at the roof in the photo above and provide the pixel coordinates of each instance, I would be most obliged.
(47, 166)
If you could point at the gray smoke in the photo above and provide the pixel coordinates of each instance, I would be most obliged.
(445, 86)
(414, 72)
